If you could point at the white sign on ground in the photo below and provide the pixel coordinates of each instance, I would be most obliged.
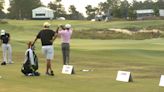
(68, 69)
(124, 76)
(161, 83)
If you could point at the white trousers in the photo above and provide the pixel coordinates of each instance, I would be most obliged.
(7, 50)
(48, 51)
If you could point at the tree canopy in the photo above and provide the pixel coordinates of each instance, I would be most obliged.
(22, 9)
(74, 14)
(1, 4)
(58, 8)
(2, 14)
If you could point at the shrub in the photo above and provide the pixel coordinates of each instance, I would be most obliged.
(3, 21)
(109, 34)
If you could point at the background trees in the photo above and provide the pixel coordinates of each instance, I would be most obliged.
(124, 9)
(74, 14)
(90, 11)
(22, 9)
(1, 4)
(2, 14)
(58, 8)
(60, 11)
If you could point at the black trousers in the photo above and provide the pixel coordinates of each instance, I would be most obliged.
(65, 52)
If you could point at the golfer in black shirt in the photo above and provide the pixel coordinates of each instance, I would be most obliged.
(47, 36)
(6, 47)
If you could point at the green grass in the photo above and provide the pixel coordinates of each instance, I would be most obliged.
(85, 25)
(143, 58)
(88, 29)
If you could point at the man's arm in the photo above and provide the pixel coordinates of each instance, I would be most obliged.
(55, 34)
(37, 37)
(57, 30)
(60, 26)
(34, 41)
(9, 38)
(1, 40)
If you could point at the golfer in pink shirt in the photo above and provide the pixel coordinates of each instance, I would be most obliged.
(65, 34)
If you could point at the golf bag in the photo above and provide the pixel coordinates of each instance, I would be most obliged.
(30, 65)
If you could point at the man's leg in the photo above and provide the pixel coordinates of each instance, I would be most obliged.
(64, 53)
(48, 65)
(44, 51)
(67, 53)
(9, 54)
(4, 49)
(50, 55)
(49, 68)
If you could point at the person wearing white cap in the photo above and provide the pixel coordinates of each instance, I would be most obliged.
(65, 34)
(6, 47)
(47, 36)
